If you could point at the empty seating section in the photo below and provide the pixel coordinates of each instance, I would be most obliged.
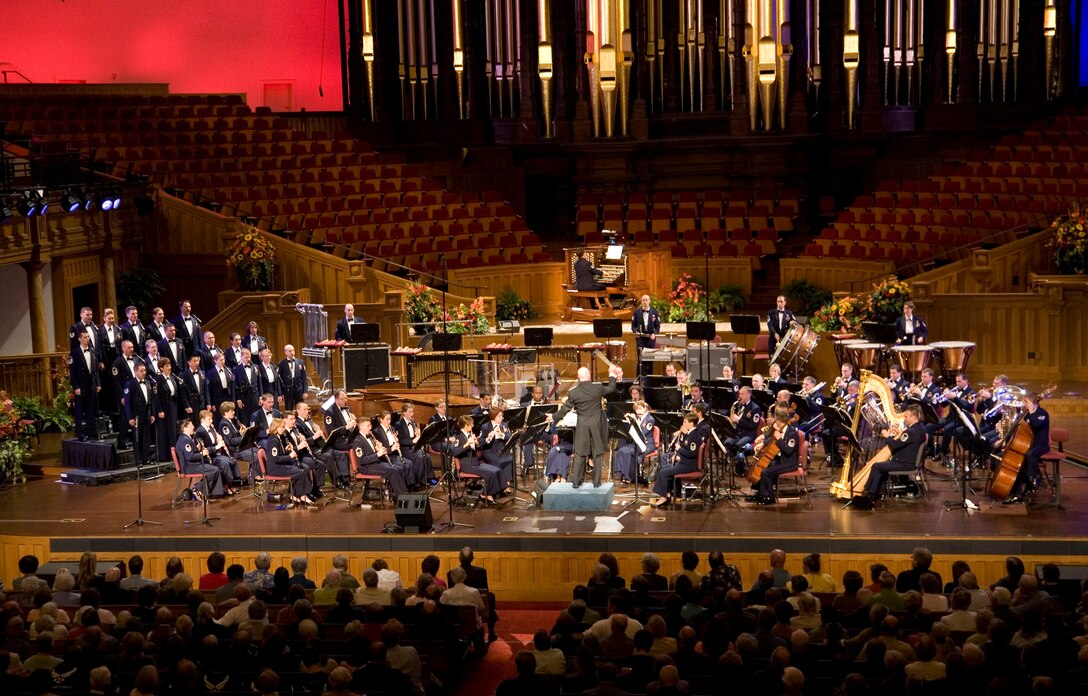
(1024, 180)
(737, 223)
(328, 190)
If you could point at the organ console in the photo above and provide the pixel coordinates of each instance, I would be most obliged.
(628, 273)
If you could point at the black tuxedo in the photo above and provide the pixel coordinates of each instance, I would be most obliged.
(109, 347)
(153, 369)
(585, 275)
(232, 359)
(368, 462)
(96, 346)
(334, 419)
(137, 334)
(260, 421)
(270, 380)
(194, 393)
(645, 321)
(138, 397)
(156, 332)
(191, 339)
(207, 356)
(343, 329)
(778, 325)
(85, 378)
(217, 393)
(247, 390)
(294, 388)
(166, 350)
(121, 374)
(255, 344)
(921, 331)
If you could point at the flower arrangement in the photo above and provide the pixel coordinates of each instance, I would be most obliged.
(886, 302)
(468, 319)
(685, 302)
(421, 307)
(510, 305)
(1070, 243)
(253, 259)
(845, 313)
(14, 445)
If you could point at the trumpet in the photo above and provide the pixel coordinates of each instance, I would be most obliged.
(242, 429)
(839, 383)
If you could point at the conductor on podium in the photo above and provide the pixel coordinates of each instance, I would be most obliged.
(591, 433)
(585, 275)
(645, 324)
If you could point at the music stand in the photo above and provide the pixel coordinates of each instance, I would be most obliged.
(140, 521)
(366, 333)
(745, 325)
(607, 328)
(964, 503)
(538, 336)
(877, 332)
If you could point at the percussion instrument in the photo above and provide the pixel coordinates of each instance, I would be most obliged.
(839, 342)
(616, 351)
(913, 359)
(796, 347)
(953, 355)
(866, 356)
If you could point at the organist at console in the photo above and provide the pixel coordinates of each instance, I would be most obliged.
(605, 281)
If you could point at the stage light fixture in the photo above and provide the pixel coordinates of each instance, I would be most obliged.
(105, 202)
(70, 203)
(33, 203)
(115, 198)
(5, 213)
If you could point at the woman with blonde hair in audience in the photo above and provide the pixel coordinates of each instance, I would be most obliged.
(663, 644)
(88, 573)
(817, 581)
(147, 681)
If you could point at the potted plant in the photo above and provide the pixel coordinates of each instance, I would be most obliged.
(14, 441)
(253, 259)
(510, 305)
(685, 302)
(421, 308)
(1070, 244)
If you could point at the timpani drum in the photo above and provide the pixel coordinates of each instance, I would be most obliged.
(842, 348)
(866, 356)
(954, 356)
(913, 359)
(615, 351)
(796, 347)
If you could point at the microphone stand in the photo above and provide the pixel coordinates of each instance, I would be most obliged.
(139, 521)
(447, 456)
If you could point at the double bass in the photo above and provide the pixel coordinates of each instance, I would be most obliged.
(1004, 474)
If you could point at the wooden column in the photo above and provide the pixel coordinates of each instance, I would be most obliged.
(38, 332)
(109, 281)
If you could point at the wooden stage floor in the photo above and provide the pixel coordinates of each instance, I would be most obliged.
(76, 517)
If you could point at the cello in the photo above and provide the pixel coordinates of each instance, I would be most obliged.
(1004, 475)
(767, 453)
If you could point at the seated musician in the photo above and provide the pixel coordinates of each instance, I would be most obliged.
(702, 424)
(533, 397)
(779, 322)
(232, 433)
(408, 432)
(192, 461)
(314, 467)
(561, 435)
(634, 394)
(830, 436)
(281, 459)
(1027, 479)
(216, 450)
(335, 461)
(628, 455)
(683, 459)
(670, 370)
(774, 377)
(264, 415)
(758, 383)
(416, 467)
(745, 415)
(372, 459)
(897, 383)
(989, 418)
(480, 413)
(463, 448)
(963, 396)
(493, 437)
(729, 377)
(585, 275)
(926, 390)
(839, 387)
(904, 448)
(788, 440)
(695, 397)
(815, 401)
(909, 329)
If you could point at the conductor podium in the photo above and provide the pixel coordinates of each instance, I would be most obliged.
(585, 498)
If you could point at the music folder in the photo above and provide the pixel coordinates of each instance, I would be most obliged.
(249, 439)
(335, 434)
(435, 432)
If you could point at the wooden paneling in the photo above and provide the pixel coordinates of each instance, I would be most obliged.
(836, 275)
(30, 375)
(723, 271)
(192, 230)
(540, 283)
(1004, 269)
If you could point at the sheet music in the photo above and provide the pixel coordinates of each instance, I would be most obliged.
(636, 436)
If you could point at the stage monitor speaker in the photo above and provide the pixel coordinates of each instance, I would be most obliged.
(539, 489)
(715, 356)
(414, 514)
(366, 333)
(607, 328)
(446, 341)
(700, 331)
(539, 336)
(365, 365)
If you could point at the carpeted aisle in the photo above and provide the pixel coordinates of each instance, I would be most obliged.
(518, 621)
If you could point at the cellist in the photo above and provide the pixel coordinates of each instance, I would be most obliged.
(1027, 479)
(787, 438)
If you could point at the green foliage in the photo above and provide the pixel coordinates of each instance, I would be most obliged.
(727, 298)
(12, 455)
(56, 417)
(510, 305)
(140, 288)
(805, 296)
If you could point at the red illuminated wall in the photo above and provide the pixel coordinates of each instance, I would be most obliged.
(194, 45)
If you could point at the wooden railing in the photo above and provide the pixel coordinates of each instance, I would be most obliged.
(836, 275)
(30, 375)
(1003, 269)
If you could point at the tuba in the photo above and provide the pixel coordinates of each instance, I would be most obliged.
(876, 411)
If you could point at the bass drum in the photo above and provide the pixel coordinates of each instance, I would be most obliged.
(795, 349)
